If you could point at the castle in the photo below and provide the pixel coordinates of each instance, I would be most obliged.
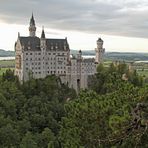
(39, 57)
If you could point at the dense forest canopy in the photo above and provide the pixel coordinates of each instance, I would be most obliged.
(44, 113)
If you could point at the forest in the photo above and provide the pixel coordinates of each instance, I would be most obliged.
(44, 113)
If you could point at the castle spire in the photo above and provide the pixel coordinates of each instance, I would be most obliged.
(32, 21)
(43, 33)
(32, 27)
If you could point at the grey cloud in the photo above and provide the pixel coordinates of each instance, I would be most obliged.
(122, 17)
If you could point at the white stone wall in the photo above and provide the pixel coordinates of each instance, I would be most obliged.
(42, 63)
(19, 60)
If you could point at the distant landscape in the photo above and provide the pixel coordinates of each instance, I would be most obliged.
(117, 56)
(6, 53)
(113, 56)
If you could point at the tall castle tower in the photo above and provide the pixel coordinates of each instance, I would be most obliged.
(32, 27)
(99, 51)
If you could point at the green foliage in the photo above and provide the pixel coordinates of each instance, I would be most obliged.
(30, 113)
(104, 120)
(112, 78)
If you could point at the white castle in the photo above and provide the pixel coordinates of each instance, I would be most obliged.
(40, 57)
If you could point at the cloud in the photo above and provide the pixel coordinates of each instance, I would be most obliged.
(122, 17)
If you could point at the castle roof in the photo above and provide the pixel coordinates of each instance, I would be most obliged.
(30, 43)
(33, 44)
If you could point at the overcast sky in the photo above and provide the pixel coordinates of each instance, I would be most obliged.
(122, 24)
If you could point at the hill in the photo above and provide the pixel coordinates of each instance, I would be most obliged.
(4, 53)
(117, 56)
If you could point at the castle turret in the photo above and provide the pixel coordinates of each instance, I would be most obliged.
(32, 27)
(43, 40)
(79, 55)
(99, 51)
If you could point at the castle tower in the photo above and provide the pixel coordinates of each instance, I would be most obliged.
(32, 28)
(99, 51)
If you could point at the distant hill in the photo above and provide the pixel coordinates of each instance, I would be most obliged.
(4, 53)
(114, 56)
(117, 56)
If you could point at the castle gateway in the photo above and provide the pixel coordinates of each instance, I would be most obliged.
(40, 57)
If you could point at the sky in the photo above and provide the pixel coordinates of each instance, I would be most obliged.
(122, 24)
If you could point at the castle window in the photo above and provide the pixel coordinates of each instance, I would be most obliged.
(49, 53)
(26, 68)
(54, 53)
(39, 54)
(26, 53)
(30, 53)
(26, 58)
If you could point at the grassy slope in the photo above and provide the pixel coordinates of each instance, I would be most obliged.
(7, 63)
